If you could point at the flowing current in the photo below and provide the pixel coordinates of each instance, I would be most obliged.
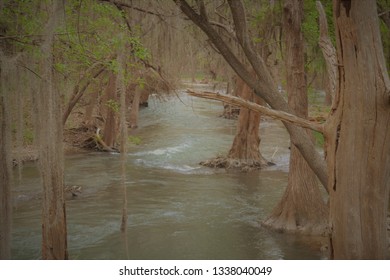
(176, 208)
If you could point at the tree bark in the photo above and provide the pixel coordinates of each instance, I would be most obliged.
(245, 147)
(358, 136)
(50, 138)
(302, 207)
(5, 165)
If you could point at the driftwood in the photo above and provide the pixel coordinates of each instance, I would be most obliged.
(275, 114)
(101, 144)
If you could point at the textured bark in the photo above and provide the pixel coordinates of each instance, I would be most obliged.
(358, 136)
(302, 207)
(50, 138)
(263, 85)
(245, 148)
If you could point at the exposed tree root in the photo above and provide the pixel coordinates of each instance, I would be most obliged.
(236, 164)
(230, 112)
(295, 214)
(88, 137)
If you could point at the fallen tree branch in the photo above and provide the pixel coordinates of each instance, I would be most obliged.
(275, 114)
(104, 146)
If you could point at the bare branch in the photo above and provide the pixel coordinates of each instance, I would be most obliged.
(275, 114)
(119, 3)
(78, 91)
(225, 27)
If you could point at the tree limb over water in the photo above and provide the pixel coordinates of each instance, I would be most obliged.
(275, 114)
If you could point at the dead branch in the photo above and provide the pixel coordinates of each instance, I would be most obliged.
(99, 142)
(275, 114)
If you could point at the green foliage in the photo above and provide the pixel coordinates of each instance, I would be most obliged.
(141, 82)
(134, 139)
(319, 138)
(28, 136)
(310, 25)
(265, 17)
(113, 105)
(310, 28)
(95, 32)
(21, 22)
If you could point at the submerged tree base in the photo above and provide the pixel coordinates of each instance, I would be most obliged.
(236, 164)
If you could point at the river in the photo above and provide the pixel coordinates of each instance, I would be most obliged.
(176, 208)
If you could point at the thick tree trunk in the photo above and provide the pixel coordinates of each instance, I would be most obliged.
(50, 138)
(245, 148)
(358, 133)
(302, 207)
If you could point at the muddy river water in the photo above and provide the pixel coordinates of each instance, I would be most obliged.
(176, 208)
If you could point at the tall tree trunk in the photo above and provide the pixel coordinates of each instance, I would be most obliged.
(302, 207)
(358, 132)
(123, 140)
(5, 164)
(50, 138)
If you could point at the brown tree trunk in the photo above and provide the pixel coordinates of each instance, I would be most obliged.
(50, 138)
(302, 207)
(358, 134)
(245, 148)
(92, 102)
(110, 127)
(5, 165)
(133, 119)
